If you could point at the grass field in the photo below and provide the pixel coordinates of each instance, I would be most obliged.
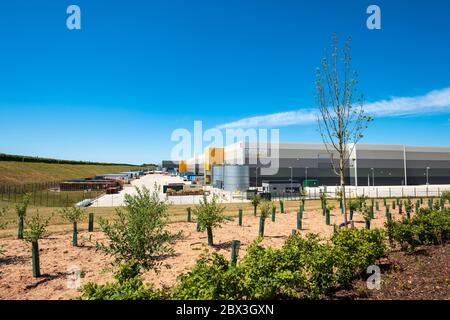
(48, 198)
(17, 173)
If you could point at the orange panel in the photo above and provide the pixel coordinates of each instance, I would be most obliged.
(182, 166)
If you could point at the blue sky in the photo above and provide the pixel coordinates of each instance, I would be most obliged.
(116, 89)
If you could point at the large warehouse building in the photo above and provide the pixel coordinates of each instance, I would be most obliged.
(235, 168)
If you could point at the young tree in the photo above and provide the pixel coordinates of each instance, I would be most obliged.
(3, 212)
(21, 210)
(266, 209)
(138, 235)
(209, 215)
(408, 207)
(365, 212)
(36, 229)
(353, 205)
(445, 196)
(303, 197)
(323, 200)
(256, 200)
(341, 118)
(73, 215)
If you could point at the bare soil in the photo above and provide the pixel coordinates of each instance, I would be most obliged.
(422, 275)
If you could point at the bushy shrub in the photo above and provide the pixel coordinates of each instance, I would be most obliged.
(128, 286)
(427, 227)
(212, 278)
(353, 204)
(354, 250)
(304, 268)
(445, 195)
(138, 233)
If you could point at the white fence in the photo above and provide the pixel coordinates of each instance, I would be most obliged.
(423, 191)
(222, 197)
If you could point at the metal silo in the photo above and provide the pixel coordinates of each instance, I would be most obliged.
(236, 178)
(217, 176)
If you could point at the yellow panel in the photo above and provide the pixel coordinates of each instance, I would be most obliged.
(213, 156)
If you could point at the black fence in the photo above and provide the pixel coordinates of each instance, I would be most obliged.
(45, 194)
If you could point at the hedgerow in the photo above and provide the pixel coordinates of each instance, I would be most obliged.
(129, 285)
(304, 268)
(425, 228)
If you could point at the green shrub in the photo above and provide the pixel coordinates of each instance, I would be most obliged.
(212, 278)
(128, 286)
(445, 195)
(436, 205)
(304, 268)
(138, 233)
(209, 216)
(3, 212)
(427, 227)
(354, 250)
(353, 204)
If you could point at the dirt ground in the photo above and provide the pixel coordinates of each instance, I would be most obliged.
(57, 255)
(422, 275)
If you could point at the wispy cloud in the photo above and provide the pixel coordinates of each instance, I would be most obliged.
(436, 101)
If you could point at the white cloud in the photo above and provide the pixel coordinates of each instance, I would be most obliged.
(436, 101)
(303, 116)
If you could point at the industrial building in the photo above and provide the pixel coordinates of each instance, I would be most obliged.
(234, 167)
(169, 165)
(90, 184)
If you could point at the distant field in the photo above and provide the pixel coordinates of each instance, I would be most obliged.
(16, 173)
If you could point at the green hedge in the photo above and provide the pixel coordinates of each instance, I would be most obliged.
(304, 268)
(427, 227)
(13, 157)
